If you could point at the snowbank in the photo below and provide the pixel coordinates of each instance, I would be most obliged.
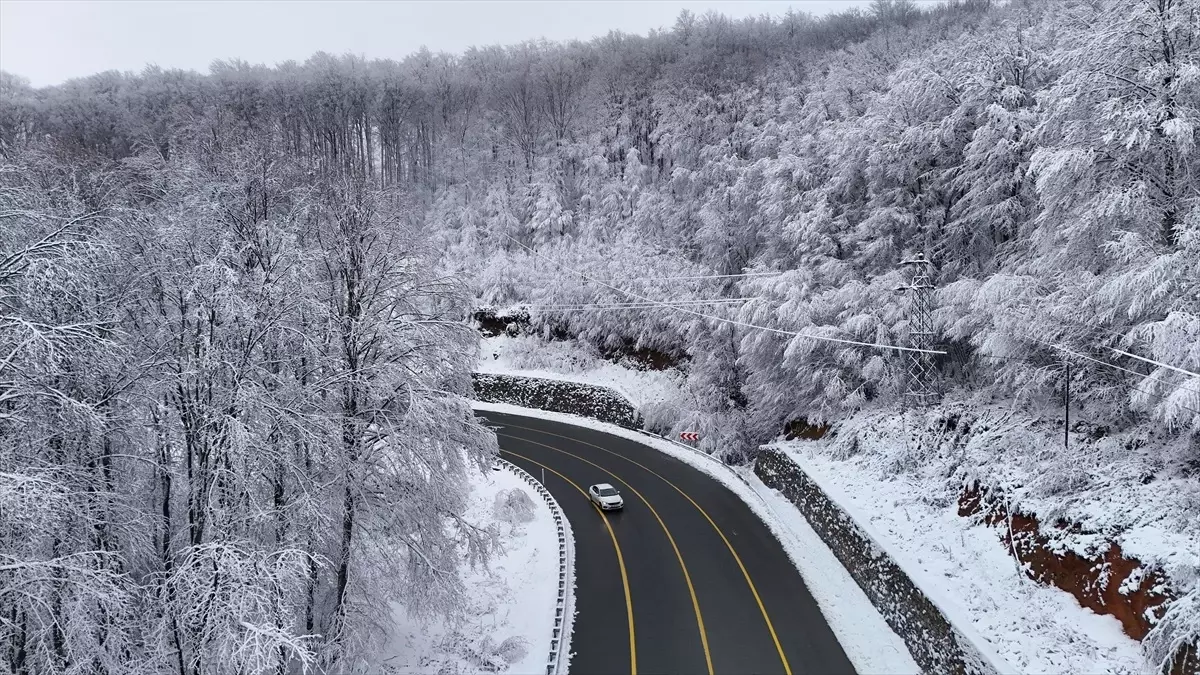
(558, 659)
(937, 644)
(869, 643)
(508, 625)
(574, 361)
(1126, 486)
(964, 568)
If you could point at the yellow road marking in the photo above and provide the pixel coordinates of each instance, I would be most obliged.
(678, 556)
(754, 591)
(620, 558)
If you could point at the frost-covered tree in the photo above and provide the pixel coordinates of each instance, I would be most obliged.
(267, 271)
(395, 355)
(1116, 180)
(222, 380)
(550, 222)
(65, 587)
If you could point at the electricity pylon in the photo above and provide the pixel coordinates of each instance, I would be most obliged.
(922, 373)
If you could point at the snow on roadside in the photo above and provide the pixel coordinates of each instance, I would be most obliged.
(833, 585)
(965, 569)
(869, 642)
(512, 600)
(1129, 486)
(573, 361)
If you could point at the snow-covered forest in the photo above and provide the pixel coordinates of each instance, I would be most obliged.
(233, 408)
(232, 305)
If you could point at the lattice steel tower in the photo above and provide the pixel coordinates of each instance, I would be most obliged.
(922, 373)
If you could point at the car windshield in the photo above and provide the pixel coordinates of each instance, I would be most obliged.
(607, 492)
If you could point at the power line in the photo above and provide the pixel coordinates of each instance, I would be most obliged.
(1161, 397)
(1134, 386)
(1085, 356)
(710, 276)
(1119, 351)
(609, 305)
(583, 308)
(693, 301)
(718, 318)
(1009, 358)
(1111, 365)
(1155, 363)
(1098, 361)
(1122, 336)
(602, 308)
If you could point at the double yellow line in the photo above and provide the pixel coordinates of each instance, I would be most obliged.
(678, 556)
(617, 546)
(745, 574)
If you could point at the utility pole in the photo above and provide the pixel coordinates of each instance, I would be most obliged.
(1067, 405)
(922, 373)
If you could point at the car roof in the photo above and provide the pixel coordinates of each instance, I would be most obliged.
(601, 486)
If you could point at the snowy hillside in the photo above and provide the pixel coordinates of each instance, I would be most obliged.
(236, 306)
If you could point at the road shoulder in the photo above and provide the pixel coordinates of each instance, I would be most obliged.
(868, 641)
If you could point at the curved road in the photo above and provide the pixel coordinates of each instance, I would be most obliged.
(686, 579)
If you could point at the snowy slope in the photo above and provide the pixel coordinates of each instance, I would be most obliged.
(1124, 485)
(965, 569)
(576, 362)
(512, 599)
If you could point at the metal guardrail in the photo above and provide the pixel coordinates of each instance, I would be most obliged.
(564, 611)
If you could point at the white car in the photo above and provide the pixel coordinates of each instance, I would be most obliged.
(605, 496)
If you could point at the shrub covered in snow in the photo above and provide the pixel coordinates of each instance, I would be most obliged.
(513, 506)
(1174, 644)
(531, 353)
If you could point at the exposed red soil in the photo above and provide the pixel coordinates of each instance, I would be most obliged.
(1096, 582)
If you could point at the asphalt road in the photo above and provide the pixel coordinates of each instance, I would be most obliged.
(685, 579)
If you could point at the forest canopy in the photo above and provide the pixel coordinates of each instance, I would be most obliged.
(220, 290)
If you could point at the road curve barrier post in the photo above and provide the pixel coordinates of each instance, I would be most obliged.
(693, 450)
(564, 609)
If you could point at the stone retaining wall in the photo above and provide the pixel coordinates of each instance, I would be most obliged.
(935, 644)
(585, 400)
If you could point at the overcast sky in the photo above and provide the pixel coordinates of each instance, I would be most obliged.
(50, 41)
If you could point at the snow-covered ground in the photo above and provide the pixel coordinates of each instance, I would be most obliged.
(1126, 486)
(901, 475)
(512, 599)
(905, 502)
(965, 569)
(577, 362)
(869, 643)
